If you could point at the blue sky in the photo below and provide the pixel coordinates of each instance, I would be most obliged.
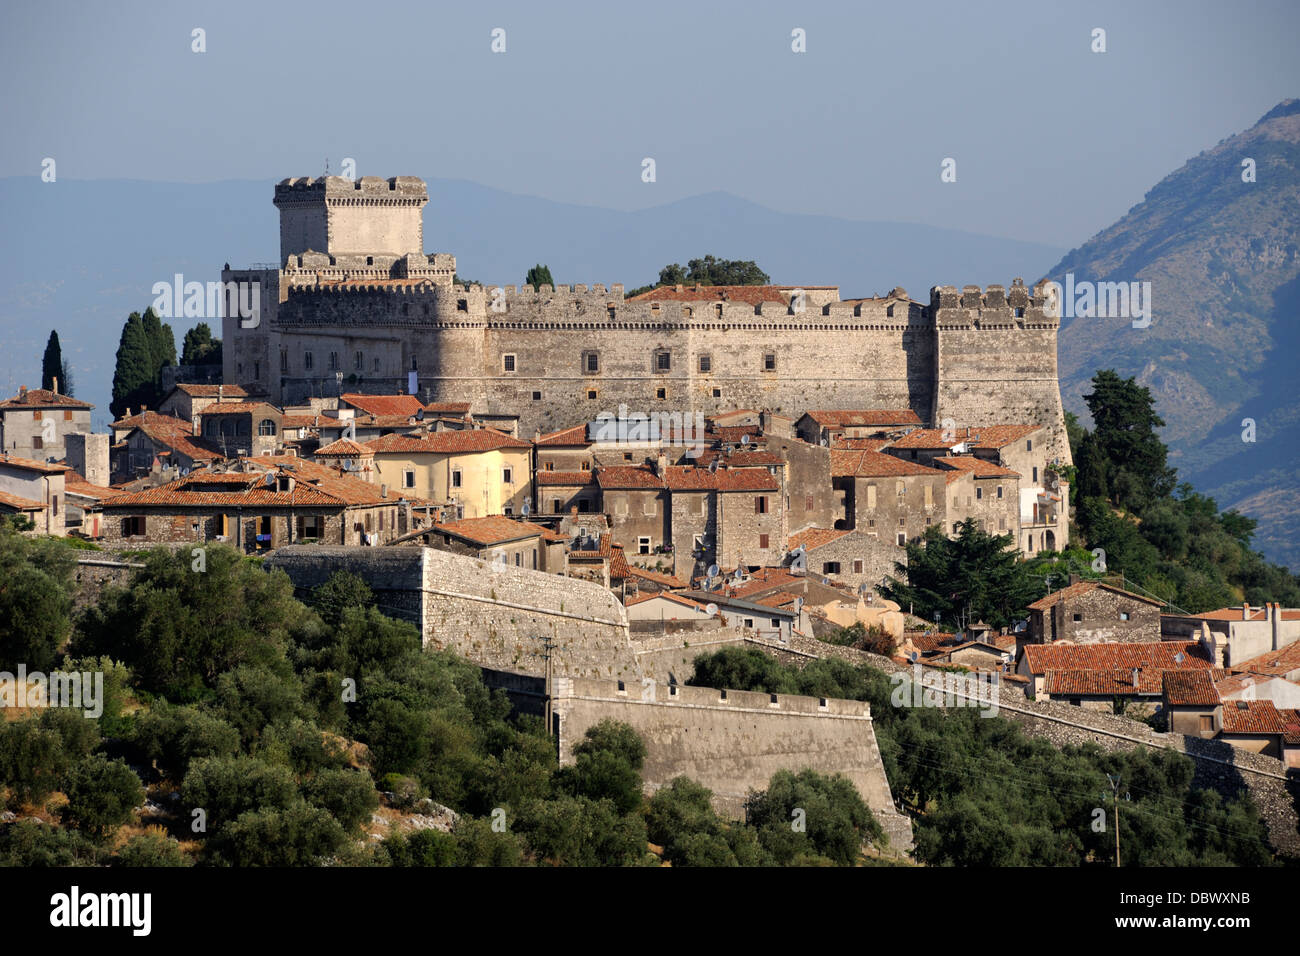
(1052, 141)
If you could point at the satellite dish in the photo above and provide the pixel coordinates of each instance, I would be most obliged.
(913, 656)
(798, 604)
(713, 570)
(863, 588)
(419, 415)
(1179, 657)
(270, 478)
(526, 509)
(713, 467)
(826, 442)
(711, 610)
(826, 581)
(744, 439)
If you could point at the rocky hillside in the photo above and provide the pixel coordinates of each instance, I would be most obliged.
(1223, 259)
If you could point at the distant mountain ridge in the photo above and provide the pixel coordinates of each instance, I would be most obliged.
(1223, 257)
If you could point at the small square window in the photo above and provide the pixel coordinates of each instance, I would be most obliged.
(717, 393)
(1123, 615)
(508, 363)
(643, 545)
(769, 361)
(1077, 618)
(661, 393)
(591, 394)
(663, 361)
(537, 396)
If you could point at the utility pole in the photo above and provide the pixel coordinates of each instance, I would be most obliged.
(548, 647)
(1114, 786)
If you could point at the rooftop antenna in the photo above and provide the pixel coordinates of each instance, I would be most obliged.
(327, 165)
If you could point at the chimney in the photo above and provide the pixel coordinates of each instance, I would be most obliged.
(220, 388)
(661, 464)
(55, 390)
(22, 393)
(1245, 611)
(383, 491)
(1136, 671)
(1074, 579)
(1277, 625)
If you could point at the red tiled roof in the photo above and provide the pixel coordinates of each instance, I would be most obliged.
(666, 580)
(979, 467)
(811, 538)
(178, 435)
(1277, 663)
(448, 408)
(210, 391)
(1253, 717)
(1082, 588)
(859, 444)
(864, 418)
(740, 459)
(298, 421)
(1105, 683)
(568, 437)
(74, 484)
(43, 398)
(874, 464)
(565, 478)
(19, 503)
(750, 294)
(990, 436)
(153, 418)
(344, 448)
(1156, 655)
(732, 434)
(628, 477)
(691, 478)
(30, 464)
(403, 405)
(1190, 688)
(493, 529)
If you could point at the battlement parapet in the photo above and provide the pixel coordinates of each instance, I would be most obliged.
(994, 307)
(649, 691)
(309, 188)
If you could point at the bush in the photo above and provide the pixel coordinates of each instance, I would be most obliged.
(348, 795)
(225, 787)
(152, 849)
(294, 836)
(102, 794)
(175, 736)
(32, 760)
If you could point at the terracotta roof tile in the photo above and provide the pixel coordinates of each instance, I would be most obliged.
(493, 529)
(1082, 588)
(979, 467)
(31, 464)
(874, 464)
(1277, 663)
(19, 503)
(810, 538)
(859, 444)
(211, 391)
(566, 479)
(447, 442)
(667, 596)
(344, 448)
(1190, 688)
(42, 398)
(990, 436)
(1158, 655)
(628, 477)
(569, 437)
(1253, 717)
(403, 405)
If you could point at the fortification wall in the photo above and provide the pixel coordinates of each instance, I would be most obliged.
(495, 616)
(734, 741)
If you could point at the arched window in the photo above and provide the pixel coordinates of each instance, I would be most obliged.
(266, 427)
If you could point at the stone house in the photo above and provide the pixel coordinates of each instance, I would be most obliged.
(499, 540)
(559, 492)
(404, 406)
(36, 490)
(984, 491)
(241, 428)
(156, 441)
(1237, 633)
(1191, 703)
(566, 450)
(187, 401)
(258, 506)
(771, 623)
(1260, 727)
(35, 423)
(1027, 450)
(348, 456)
(479, 472)
(1094, 612)
(850, 558)
(665, 607)
(1101, 672)
(885, 496)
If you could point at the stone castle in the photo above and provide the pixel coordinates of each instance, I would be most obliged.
(356, 304)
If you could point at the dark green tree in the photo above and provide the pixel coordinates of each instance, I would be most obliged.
(199, 347)
(539, 275)
(52, 363)
(101, 795)
(1125, 423)
(133, 374)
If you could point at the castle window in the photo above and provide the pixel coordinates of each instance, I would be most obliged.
(266, 427)
(718, 310)
(979, 494)
(376, 363)
(284, 360)
(642, 545)
(415, 366)
(663, 361)
(889, 311)
(808, 503)
(370, 260)
(360, 362)
(508, 363)
(334, 362)
(462, 305)
(37, 442)
(1078, 618)
(902, 539)
(999, 491)
(1123, 615)
(133, 527)
(769, 361)
(591, 362)
(1019, 313)
(610, 309)
(760, 505)
(537, 396)
(584, 466)
(1029, 444)
(306, 361)
(661, 393)
(717, 393)
(591, 394)
(857, 565)
(706, 364)
(1035, 474)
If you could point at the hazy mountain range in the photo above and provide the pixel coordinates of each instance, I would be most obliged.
(1223, 259)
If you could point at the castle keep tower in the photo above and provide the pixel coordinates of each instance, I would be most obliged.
(339, 216)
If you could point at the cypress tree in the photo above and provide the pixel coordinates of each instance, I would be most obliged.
(52, 363)
(134, 369)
